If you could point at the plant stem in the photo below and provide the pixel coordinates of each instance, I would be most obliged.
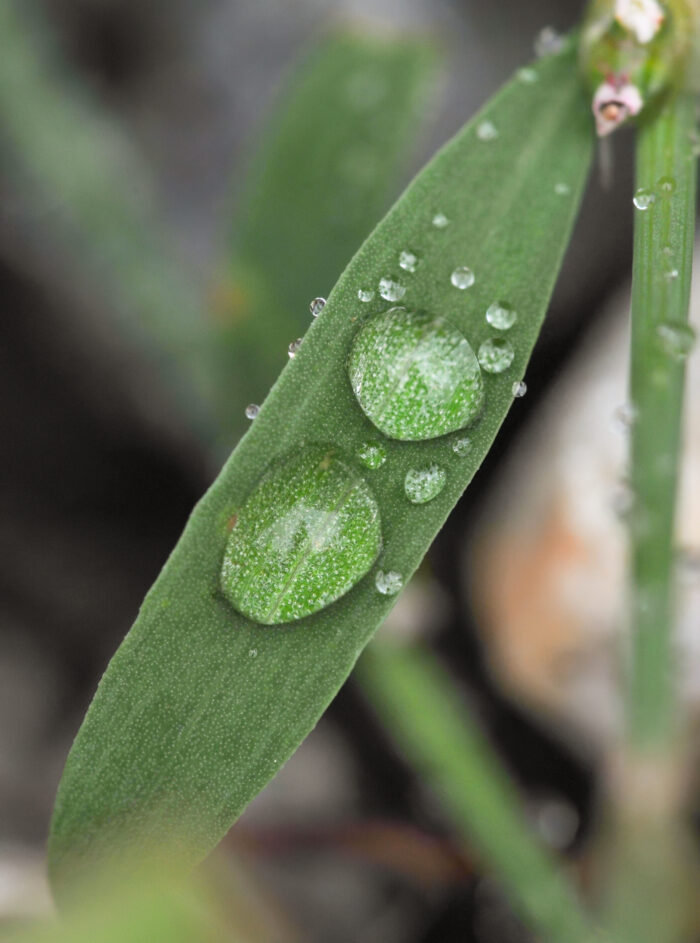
(652, 866)
(663, 247)
(418, 704)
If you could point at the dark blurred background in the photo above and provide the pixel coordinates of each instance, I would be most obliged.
(99, 472)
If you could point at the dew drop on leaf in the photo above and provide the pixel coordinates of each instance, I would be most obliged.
(317, 306)
(676, 339)
(365, 295)
(643, 198)
(548, 42)
(415, 375)
(519, 389)
(391, 290)
(462, 277)
(666, 185)
(462, 446)
(501, 315)
(408, 260)
(294, 347)
(423, 484)
(527, 75)
(496, 355)
(486, 131)
(440, 221)
(562, 189)
(308, 532)
(372, 454)
(251, 411)
(389, 583)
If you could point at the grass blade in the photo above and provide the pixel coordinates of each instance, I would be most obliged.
(323, 177)
(661, 340)
(416, 699)
(200, 706)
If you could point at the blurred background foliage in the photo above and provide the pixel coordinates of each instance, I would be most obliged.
(141, 275)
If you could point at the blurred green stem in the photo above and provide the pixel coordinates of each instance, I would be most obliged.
(663, 248)
(421, 709)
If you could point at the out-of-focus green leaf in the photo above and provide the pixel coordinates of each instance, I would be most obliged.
(321, 181)
(200, 706)
(70, 156)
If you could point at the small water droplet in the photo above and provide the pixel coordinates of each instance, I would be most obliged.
(527, 75)
(677, 339)
(317, 306)
(557, 823)
(519, 389)
(462, 277)
(440, 221)
(625, 415)
(294, 347)
(496, 354)
(308, 532)
(423, 484)
(501, 315)
(623, 501)
(462, 446)
(548, 42)
(372, 454)
(486, 131)
(253, 653)
(391, 290)
(643, 198)
(562, 189)
(666, 185)
(408, 260)
(688, 563)
(670, 271)
(365, 295)
(415, 375)
(251, 411)
(389, 583)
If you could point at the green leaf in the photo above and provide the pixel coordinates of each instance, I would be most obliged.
(323, 177)
(200, 706)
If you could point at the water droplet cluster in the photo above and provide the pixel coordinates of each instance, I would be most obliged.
(311, 530)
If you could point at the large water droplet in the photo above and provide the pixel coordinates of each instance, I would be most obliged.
(317, 306)
(496, 354)
(462, 277)
(423, 484)
(391, 290)
(415, 375)
(643, 198)
(372, 454)
(462, 446)
(440, 221)
(251, 411)
(676, 339)
(501, 315)
(408, 260)
(308, 532)
(486, 131)
(365, 295)
(389, 583)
